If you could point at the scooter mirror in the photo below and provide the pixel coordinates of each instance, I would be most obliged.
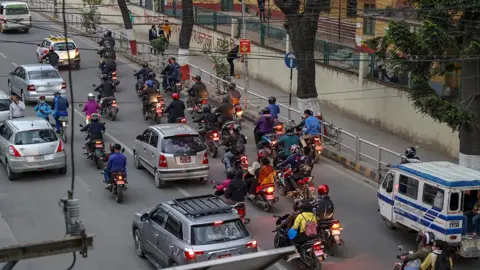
(400, 248)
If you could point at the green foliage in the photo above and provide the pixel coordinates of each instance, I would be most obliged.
(431, 50)
(159, 44)
(90, 14)
(218, 54)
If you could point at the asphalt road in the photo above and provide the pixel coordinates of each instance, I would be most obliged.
(29, 205)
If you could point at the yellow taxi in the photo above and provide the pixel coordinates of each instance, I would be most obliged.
(64, 47)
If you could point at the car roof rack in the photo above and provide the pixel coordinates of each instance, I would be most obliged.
(201, 205)
(58, 37)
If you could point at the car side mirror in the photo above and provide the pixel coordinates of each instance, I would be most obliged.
(139, 137)
(400, 248)
(144, 217)
(123, 150)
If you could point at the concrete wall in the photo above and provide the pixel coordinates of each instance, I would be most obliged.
(381, 106)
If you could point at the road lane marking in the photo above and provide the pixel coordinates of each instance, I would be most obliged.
(3, 55)
(14, 64)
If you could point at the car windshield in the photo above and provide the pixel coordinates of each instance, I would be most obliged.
(4, 105)
(35, 137)
(183, 144)
(61, 46)
(43, 74)
(19, 9)
(214, 233)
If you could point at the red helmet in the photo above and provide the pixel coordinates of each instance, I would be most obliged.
(262, 154)
(323, 190)
(175, 96)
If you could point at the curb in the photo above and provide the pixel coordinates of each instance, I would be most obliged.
(216, 99)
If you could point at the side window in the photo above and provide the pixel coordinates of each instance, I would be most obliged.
(433, 196)
(174, 226)
(146, 136)
(6, 132)
(159, 216)
(154, 139)
(17, 71)
(408, 187)
(21, 73)
(387, 183)
(3, 131)
(454, 202)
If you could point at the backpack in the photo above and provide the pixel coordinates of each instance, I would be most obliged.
(310, 227)
(442, 262)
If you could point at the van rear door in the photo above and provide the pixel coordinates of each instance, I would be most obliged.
(17, 15)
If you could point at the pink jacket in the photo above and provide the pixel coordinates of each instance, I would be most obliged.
(223, 185)
(91, 107)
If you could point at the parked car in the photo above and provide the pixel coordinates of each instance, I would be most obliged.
(171, 152)
(5, 102)
(30, 144)
(35, 80)
(189, 230)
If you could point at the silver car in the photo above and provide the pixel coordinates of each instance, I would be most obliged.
(35, 80)
(189, 230)
(171, 152)
(5, 102)
(30, 144)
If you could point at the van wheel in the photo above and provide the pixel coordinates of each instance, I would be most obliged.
(389, 225)
(10, 175)
(158, 182)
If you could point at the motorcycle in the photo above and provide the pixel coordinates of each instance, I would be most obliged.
(241, 209)
(404, 265)
(311, 254)
(330, 235)
(229, 128)
(63, 129)
(174, 87)
(237, 116)
(265, 196)
(156, 111)
(306, 186)
(95, 151)
(109, 107)
(316, 148)
(212, 139)
(281, 234)
(181, 120)
(139, 84)
(269, 141)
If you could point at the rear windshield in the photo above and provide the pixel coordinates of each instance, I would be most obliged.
(19, 9)
(43, 74)
(210, 233)
(4, 105)
(183, 144)
(61, 46)
(35, 136)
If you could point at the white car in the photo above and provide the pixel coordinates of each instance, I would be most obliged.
(58, 44)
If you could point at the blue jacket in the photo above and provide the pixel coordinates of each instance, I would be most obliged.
(292, 161)
(176, 73)
(274, 110)
(117, 162)
(60, 104)
(47, 110)
(312, 126)
(288, 140)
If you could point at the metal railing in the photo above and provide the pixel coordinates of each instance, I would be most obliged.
(377, 156)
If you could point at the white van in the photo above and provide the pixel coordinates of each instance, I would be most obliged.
(15, 16)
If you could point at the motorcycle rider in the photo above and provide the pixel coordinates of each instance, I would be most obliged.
(264, 176)
(301, 166)
(324, 207)
(225, 111)
(117, 162)
(237, 189)
(94, 130)
(290, 138)
(425, 241)
(175, 109)
(274, 108)
(106, 88)
(91, 106)
(152, 77)
(209, 118)
(197, 91)
(410, 156)
(305, 225)
(222, 187)
(107, 41)
(43, 109)
(107, 65)
(237, 148)
(264, 125)
(51, 57)
(60, 107)
(143, 72)
(312, 127)
(150, 96)
(172, 73)
(297, 209)
(234, 94)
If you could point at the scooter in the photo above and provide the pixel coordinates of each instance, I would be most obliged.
(403, 265)
(240, 208)
(330, 235)
(265, 196)
(95, 151)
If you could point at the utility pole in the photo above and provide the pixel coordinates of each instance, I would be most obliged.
(55, 10)
(245, 56)
(128, 26)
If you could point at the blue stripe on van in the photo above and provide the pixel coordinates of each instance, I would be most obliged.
(427, 223)
(431, 213)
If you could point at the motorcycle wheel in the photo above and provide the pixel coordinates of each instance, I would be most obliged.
(267, 207)
(212, 150)
(281, 189)
(113, 114)
(98, 162)
(316, 157)
(64, 135)
(119, 194)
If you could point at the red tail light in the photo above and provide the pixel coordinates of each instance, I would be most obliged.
(191, 254)
(205, 159)
(77, 52)
(204, 101)
(64, 86)
(251, 244)
(31, 87)
(60, 146)
(269, 190)
(5, 20)
(45, 51)
(335, 226)
(13, 151)
(241, 211)
(217, 223)
(162, 162)
(114, 103)
(317, 246)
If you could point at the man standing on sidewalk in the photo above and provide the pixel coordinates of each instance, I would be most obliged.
(261, 10)
(152, 35)
(231, 56)
(167, 29)
(16, 108)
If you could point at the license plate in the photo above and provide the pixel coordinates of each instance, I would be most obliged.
(269, 197)
(185, 159)
(225, 256)
(319, 253)
(120, 182)
(39, 157)
(98, 145)
(231, 131)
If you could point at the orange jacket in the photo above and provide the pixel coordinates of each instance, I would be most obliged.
(266, 175)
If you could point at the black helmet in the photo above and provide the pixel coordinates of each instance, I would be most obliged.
(307, 207)
(117, 146)
(104, 77)
(426, 238)
(226, 99)
(232, 86)
(230, 174)
(94, 117)
(297, 204)
(197, 78)
(290, 129)
(151, 75)
(272, 100)
(410, 152)
(266, 110)
(207, 108)
(308, 112)
(109, 33)
(145, 64)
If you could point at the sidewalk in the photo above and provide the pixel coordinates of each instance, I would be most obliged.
(348, 125)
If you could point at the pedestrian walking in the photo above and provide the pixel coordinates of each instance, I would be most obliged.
(167, 29)
(17, 108)
(130, 14)
(261, 10)
(231, 56)
(152, 35)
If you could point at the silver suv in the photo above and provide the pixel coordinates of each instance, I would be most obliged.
(189, 230)
(171, 152)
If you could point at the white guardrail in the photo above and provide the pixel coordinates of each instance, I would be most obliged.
(373, 154)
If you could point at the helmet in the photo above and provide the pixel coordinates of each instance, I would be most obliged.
(323, 190)
(117, 146)
(262, 154)
(109, 33)
(272, 100)
(151, 75)
(207, 108)
(426, 238)
(91, 96)
(295, 149)
(266, 110)
(145, 64)
(104, 77)
(57, 93)
(307, 207)
(94, 117)
(308, 112)
(225, 99)
(149, 83)
(197, 78)
(51, 49)
(232, 86)
(175, 96)
(410, 152)
(230, 174)
(42, 97)
(297, 204)
(290, 130)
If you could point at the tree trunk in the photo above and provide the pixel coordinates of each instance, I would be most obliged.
(185, 36)
(128, 26)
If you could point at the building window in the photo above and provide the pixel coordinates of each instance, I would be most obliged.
(352, 8)
(368, 22)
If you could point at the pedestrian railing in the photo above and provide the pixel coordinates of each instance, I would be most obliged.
(377, 156)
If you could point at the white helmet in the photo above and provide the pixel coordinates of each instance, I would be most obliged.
(91, 96)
